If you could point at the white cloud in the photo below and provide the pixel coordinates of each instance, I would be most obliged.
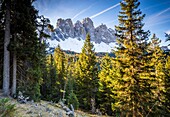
(114, 6)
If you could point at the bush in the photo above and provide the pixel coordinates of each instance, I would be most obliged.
(6, 108)
(72, 99)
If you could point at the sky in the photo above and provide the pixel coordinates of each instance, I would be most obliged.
(157, 18)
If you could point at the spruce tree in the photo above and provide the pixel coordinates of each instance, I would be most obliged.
(14, 54)
(70, 85)
(167, 37)
(167, 85)
(60, 64)
(106, 85)
(167, 80)
(134, 85)
(49, 87)
(26, 44)
(87, 76)
(156, 65)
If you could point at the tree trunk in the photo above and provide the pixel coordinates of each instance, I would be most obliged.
(14, 61)
(14, 83)
(6, 66)
(0, 5)
(93, 109)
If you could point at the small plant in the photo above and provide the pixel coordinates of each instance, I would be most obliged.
(6, 108)
(72, 99)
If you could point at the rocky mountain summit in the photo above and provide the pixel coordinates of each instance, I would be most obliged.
(66, 29)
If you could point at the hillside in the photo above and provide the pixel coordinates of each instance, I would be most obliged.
(42, 109)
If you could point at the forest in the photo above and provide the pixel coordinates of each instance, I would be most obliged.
(135, 82)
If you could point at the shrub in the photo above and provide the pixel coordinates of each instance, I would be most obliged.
(6, 108)
(72, 99)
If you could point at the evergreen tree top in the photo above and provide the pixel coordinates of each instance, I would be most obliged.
(130, 24)
(88, 46)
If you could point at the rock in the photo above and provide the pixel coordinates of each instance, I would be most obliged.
(40, 115)
(65, 29)
(66, 26)
(48, 110)
(60, 114)
(69, 112)
(89, 27)
(103, 34)
(21, 99)
(29, 112)
(79, 30)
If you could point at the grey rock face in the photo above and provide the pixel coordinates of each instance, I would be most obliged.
(65, 29)
(89, 27)
(79, 30)
(66, 26)
(103, 34)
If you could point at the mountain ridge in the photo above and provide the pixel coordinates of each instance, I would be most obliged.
(68, 33)
(65, 29)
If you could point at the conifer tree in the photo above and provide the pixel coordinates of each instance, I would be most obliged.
(167, 85)
(49, 88)
(167, 37)
(14, 54)
(87, 76)
(156, 65)
(134, 86)
(46, 61)
(106, 85)
(167, 80)
(60, 64)
(28, 48)
(70, 90)
(70, 76)
(25, 42)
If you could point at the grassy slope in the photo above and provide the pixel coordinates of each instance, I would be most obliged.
(44, 109)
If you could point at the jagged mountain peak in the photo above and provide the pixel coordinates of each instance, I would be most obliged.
(88, 21)
(80, 29)
(67, 31)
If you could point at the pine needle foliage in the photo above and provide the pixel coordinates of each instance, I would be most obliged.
(86, 76)
(60, 65)
(135, 92)
(107, 76)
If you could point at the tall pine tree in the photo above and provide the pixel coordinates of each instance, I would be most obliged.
(26, 44)
(49, 87)
(87, 76)
(156, 65)
(60, 64)
(167, 80)
(107, 76)
(167, 85)
(134, 86)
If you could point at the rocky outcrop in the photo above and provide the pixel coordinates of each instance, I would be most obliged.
(66, 26)
(79, 30)
(65, 29)
(103, 34)
(89, 27)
